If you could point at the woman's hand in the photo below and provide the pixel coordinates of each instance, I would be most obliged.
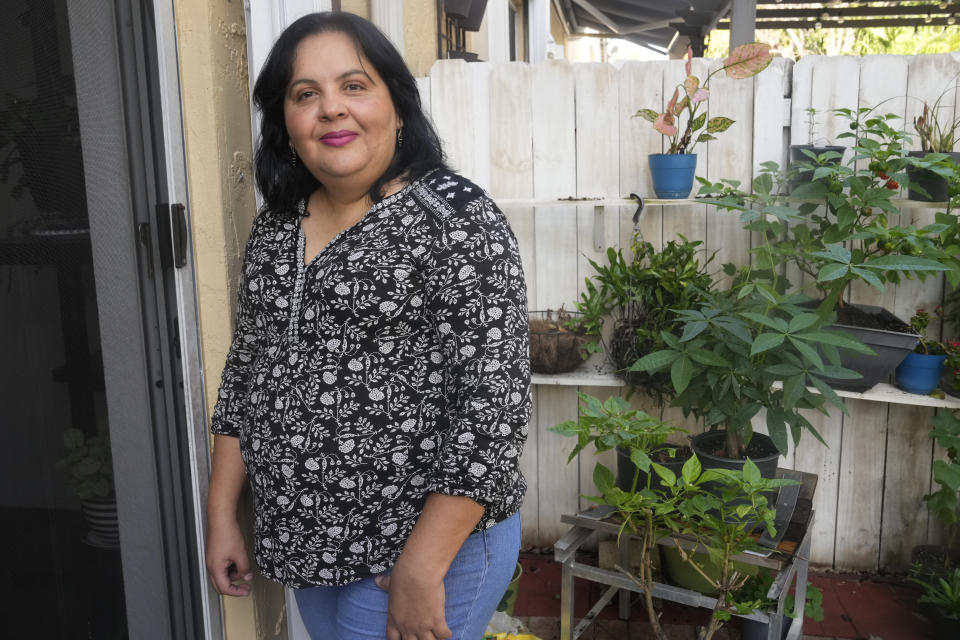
(227, 560)
(416, 606)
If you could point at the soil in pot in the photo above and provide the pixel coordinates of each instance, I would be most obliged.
(626, 468)
(761, 450)
(554, 347)
(625, 349)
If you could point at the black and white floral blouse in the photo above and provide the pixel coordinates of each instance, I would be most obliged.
(390, 366)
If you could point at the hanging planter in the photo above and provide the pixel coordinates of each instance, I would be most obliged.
(558, 341)
(672, 174)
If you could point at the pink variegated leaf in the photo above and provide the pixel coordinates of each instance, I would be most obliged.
(691, 84)
(689, 65)
(665, 124)
(673, 101)
(680, 106)
(748, 60)
(700, 95)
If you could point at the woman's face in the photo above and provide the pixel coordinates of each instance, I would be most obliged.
(338, 112)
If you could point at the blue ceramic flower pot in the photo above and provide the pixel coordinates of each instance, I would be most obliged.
(672, 174)
(920, 373)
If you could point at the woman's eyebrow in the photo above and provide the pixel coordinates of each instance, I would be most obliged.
(342, 76)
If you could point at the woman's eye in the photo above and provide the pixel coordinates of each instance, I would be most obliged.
(354, 86)
(304, 95)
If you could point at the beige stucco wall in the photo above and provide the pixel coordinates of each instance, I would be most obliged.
(420, 35)
(359, 7)
(211, 39)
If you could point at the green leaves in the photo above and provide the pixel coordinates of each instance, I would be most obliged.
(718, 124)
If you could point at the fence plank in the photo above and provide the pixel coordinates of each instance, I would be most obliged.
(904, 523)
(859, 504)
(461, 111)
(813, 457)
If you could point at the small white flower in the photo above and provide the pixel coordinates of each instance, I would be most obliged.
(495, 312)
(459, 236)
(416, 301)
(311, 464)
(282, 269)
(465, 272)
(356, 547)
(436, 357)
(443, 328)
(497, 248)
(296, 441)
(281, 302)
(293, 357)
(386, 347)
(408, 425)
(355, 365)
(277, 371)
(278, 404)
(333, 344)
(477, 469)
(406, 220)
(492, 365)
(387, 306)
(283, 501)
(329, 378)
(255, 445)
(356, 255)
(287, 470)
(389, 490)
(326, 574)
(401, 274)
(465, 438)
(309, 314)
(347, 446)
(505, 429)
(341, 289)
(514, 271)
(306, 501)
(329, 558)
(399, 458)
(376, 395)
(417, 481)
(435, 378)
(347, 483)
(389, 529)
(327, 398)
(253, 286)
(427, 444)
(268, 543)
(494, 334)
(285, 537)
(515, 397)
(468, 350)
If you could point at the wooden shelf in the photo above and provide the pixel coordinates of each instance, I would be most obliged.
(883, 392)
(901, 203)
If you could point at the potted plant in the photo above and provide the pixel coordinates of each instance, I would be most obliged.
(560, 340)
(943, 502)
(91, 479)
(642, 294)
(753, 597)
(673, 171)
(720, 522)
(857, 205)
(747, 349)
(921, 370)
(805, 158)
(929, 178)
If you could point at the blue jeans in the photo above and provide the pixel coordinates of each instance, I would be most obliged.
(473, 586)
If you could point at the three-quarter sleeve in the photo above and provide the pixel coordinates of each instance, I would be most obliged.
(248, 338)
(477, 299)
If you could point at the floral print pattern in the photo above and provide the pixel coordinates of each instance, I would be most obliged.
(392, 365)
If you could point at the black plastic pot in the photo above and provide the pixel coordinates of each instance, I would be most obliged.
(626, 469)
(934, 184)
(891, 348)
(705, 444)
(797, 155)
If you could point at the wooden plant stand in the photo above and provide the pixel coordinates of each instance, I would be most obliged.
(790, 558)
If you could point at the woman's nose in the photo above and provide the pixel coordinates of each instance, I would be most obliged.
(331, 106)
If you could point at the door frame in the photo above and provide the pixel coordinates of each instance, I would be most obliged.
(127, 78)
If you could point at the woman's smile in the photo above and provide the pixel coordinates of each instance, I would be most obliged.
(339, 138)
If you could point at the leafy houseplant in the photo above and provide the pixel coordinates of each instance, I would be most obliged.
(921, 370)
(753, 596)
(942, 593)
(642, 294)
(89, 462)
(748, 349)
(930, 180)
(943, 503)
(744, 61)
(720, 522)
(805, 158)
(857, 206)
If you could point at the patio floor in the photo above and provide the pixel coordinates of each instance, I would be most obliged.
(854, 607)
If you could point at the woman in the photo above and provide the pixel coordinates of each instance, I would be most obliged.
(376, 393)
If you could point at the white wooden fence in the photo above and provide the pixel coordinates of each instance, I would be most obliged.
(557, 130)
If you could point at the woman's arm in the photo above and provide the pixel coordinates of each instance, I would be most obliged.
(226, 554)
(416, 583)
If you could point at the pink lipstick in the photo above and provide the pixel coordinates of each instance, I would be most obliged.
(338, 138)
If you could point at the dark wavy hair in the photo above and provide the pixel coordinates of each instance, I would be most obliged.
(282, 184)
